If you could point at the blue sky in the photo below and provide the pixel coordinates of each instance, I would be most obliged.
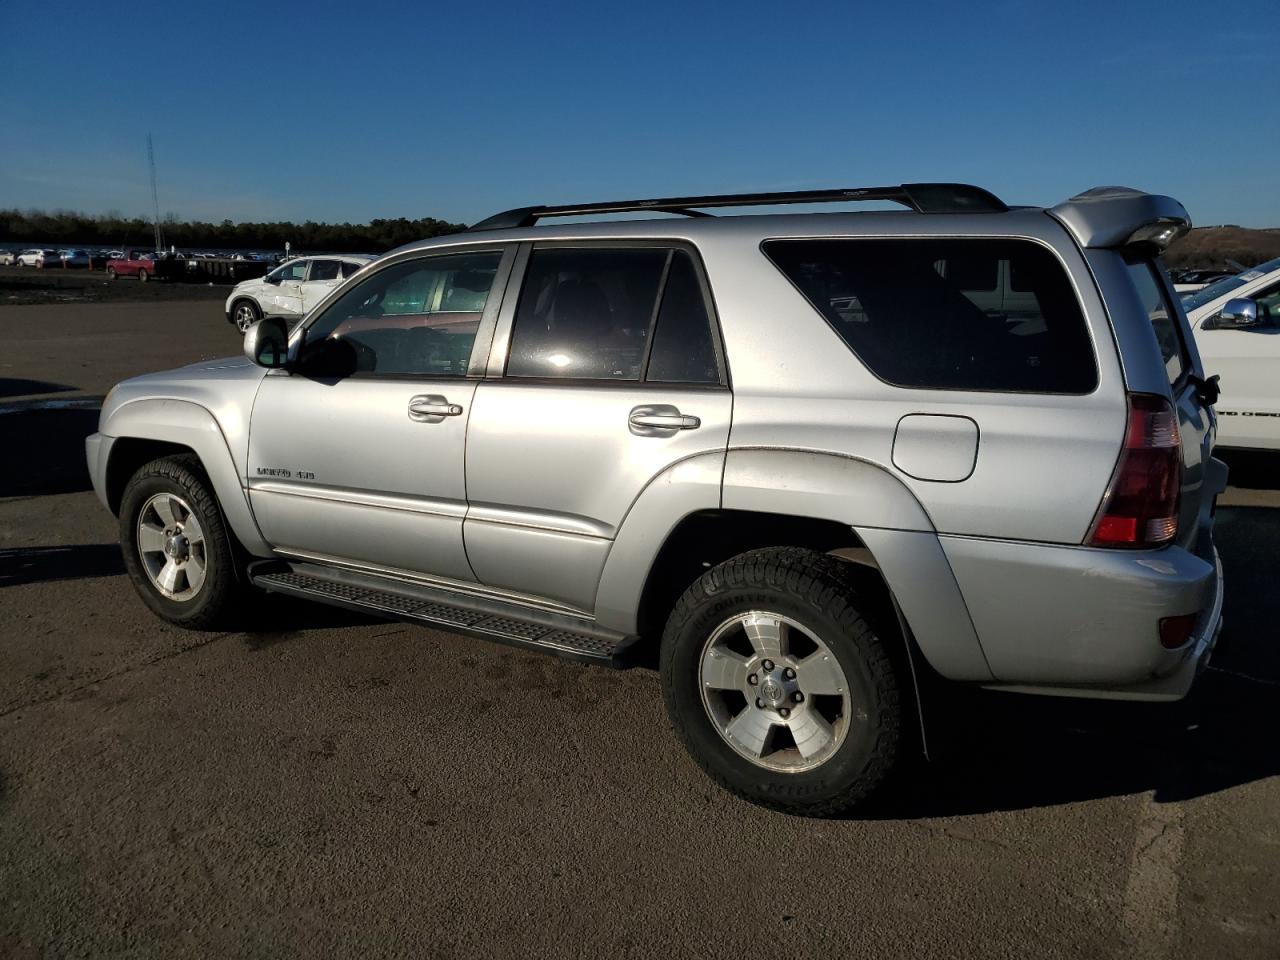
(349, 111)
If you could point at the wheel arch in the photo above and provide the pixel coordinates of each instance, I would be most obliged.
(243, 298)
(145, 430)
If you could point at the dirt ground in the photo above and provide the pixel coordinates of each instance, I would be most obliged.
(27, 285)
(329, 784)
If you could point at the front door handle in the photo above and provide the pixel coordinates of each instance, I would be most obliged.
(659, 420)
(432, 408)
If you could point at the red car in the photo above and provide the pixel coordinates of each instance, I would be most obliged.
(135, 263)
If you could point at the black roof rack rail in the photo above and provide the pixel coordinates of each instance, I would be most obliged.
(921, 197)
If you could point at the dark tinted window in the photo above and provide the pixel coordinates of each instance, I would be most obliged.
(585, 313)
(417, 318)
(913, 321)
(980, 273)
(323, 270)
(1162, 320)
(683, 351)
(348, 268)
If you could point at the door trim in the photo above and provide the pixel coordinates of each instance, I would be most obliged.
(454, 509)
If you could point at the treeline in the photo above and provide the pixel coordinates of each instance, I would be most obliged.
(66, 228)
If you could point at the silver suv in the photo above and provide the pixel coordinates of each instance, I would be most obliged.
(809, 459)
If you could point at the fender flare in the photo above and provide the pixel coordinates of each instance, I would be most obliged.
(891, 523)
(191, 425)
(879, 509)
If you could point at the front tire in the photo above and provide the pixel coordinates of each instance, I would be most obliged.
(177, 547)
(778, 685)
(244, 314)
(142, 276)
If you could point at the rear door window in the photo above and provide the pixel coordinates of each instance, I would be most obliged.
(323, 270)
(684, 349)
(1163, 320)
(933, 313)
(614, 313)
(585, 313)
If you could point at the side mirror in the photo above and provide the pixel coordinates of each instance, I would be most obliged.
(266, 343)
(1239, 312)
(274, 281)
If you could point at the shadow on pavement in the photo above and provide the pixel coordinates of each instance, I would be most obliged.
(18, 387)
(1252, 469)
(40, 564)
(44, 449)
(1007, 751)
(278, 619)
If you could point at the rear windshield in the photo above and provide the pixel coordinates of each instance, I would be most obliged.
(952, 314)
(1163, 320)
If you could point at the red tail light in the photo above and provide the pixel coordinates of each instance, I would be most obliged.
(1140, 508)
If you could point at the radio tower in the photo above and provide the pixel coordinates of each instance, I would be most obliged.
(155, 197)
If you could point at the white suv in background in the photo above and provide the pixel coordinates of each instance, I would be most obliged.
(1236, 323)
(291, 289)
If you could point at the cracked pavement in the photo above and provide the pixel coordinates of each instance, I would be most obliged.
(329, 784)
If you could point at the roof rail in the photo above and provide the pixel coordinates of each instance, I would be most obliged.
(921, 197)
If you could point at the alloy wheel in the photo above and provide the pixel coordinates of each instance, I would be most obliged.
(775, 692)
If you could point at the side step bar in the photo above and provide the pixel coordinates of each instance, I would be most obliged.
(486, 617)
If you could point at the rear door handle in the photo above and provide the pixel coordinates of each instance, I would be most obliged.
(659, 420)
(432, 408)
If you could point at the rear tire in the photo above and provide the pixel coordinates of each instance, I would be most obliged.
(111, 273)
(178, 550)
(779, 687)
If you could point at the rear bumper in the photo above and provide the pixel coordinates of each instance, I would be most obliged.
(1082, 622)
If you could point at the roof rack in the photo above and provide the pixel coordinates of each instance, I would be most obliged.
(921, 197)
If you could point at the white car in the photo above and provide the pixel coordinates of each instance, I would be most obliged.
(291, 289)
(39, 258)
(1237, 329)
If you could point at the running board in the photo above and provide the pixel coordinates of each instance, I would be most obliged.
(452, 610)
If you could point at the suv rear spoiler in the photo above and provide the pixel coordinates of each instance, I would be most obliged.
(1122, 217)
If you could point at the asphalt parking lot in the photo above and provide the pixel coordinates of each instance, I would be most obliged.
(333, 784)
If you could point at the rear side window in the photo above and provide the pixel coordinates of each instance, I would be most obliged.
(945, 314)
(1162, 318)
(323, 270)
(610, 313)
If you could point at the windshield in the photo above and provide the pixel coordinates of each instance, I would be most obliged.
(1216, 289)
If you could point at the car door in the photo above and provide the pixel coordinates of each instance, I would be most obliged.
(606, 371)
(356, 452)
(286, 298)
(322, 276)
(1247, 361)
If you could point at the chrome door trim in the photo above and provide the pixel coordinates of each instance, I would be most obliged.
(454, 509)
(445, 583)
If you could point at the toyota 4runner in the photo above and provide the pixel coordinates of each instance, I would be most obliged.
(809, 458)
